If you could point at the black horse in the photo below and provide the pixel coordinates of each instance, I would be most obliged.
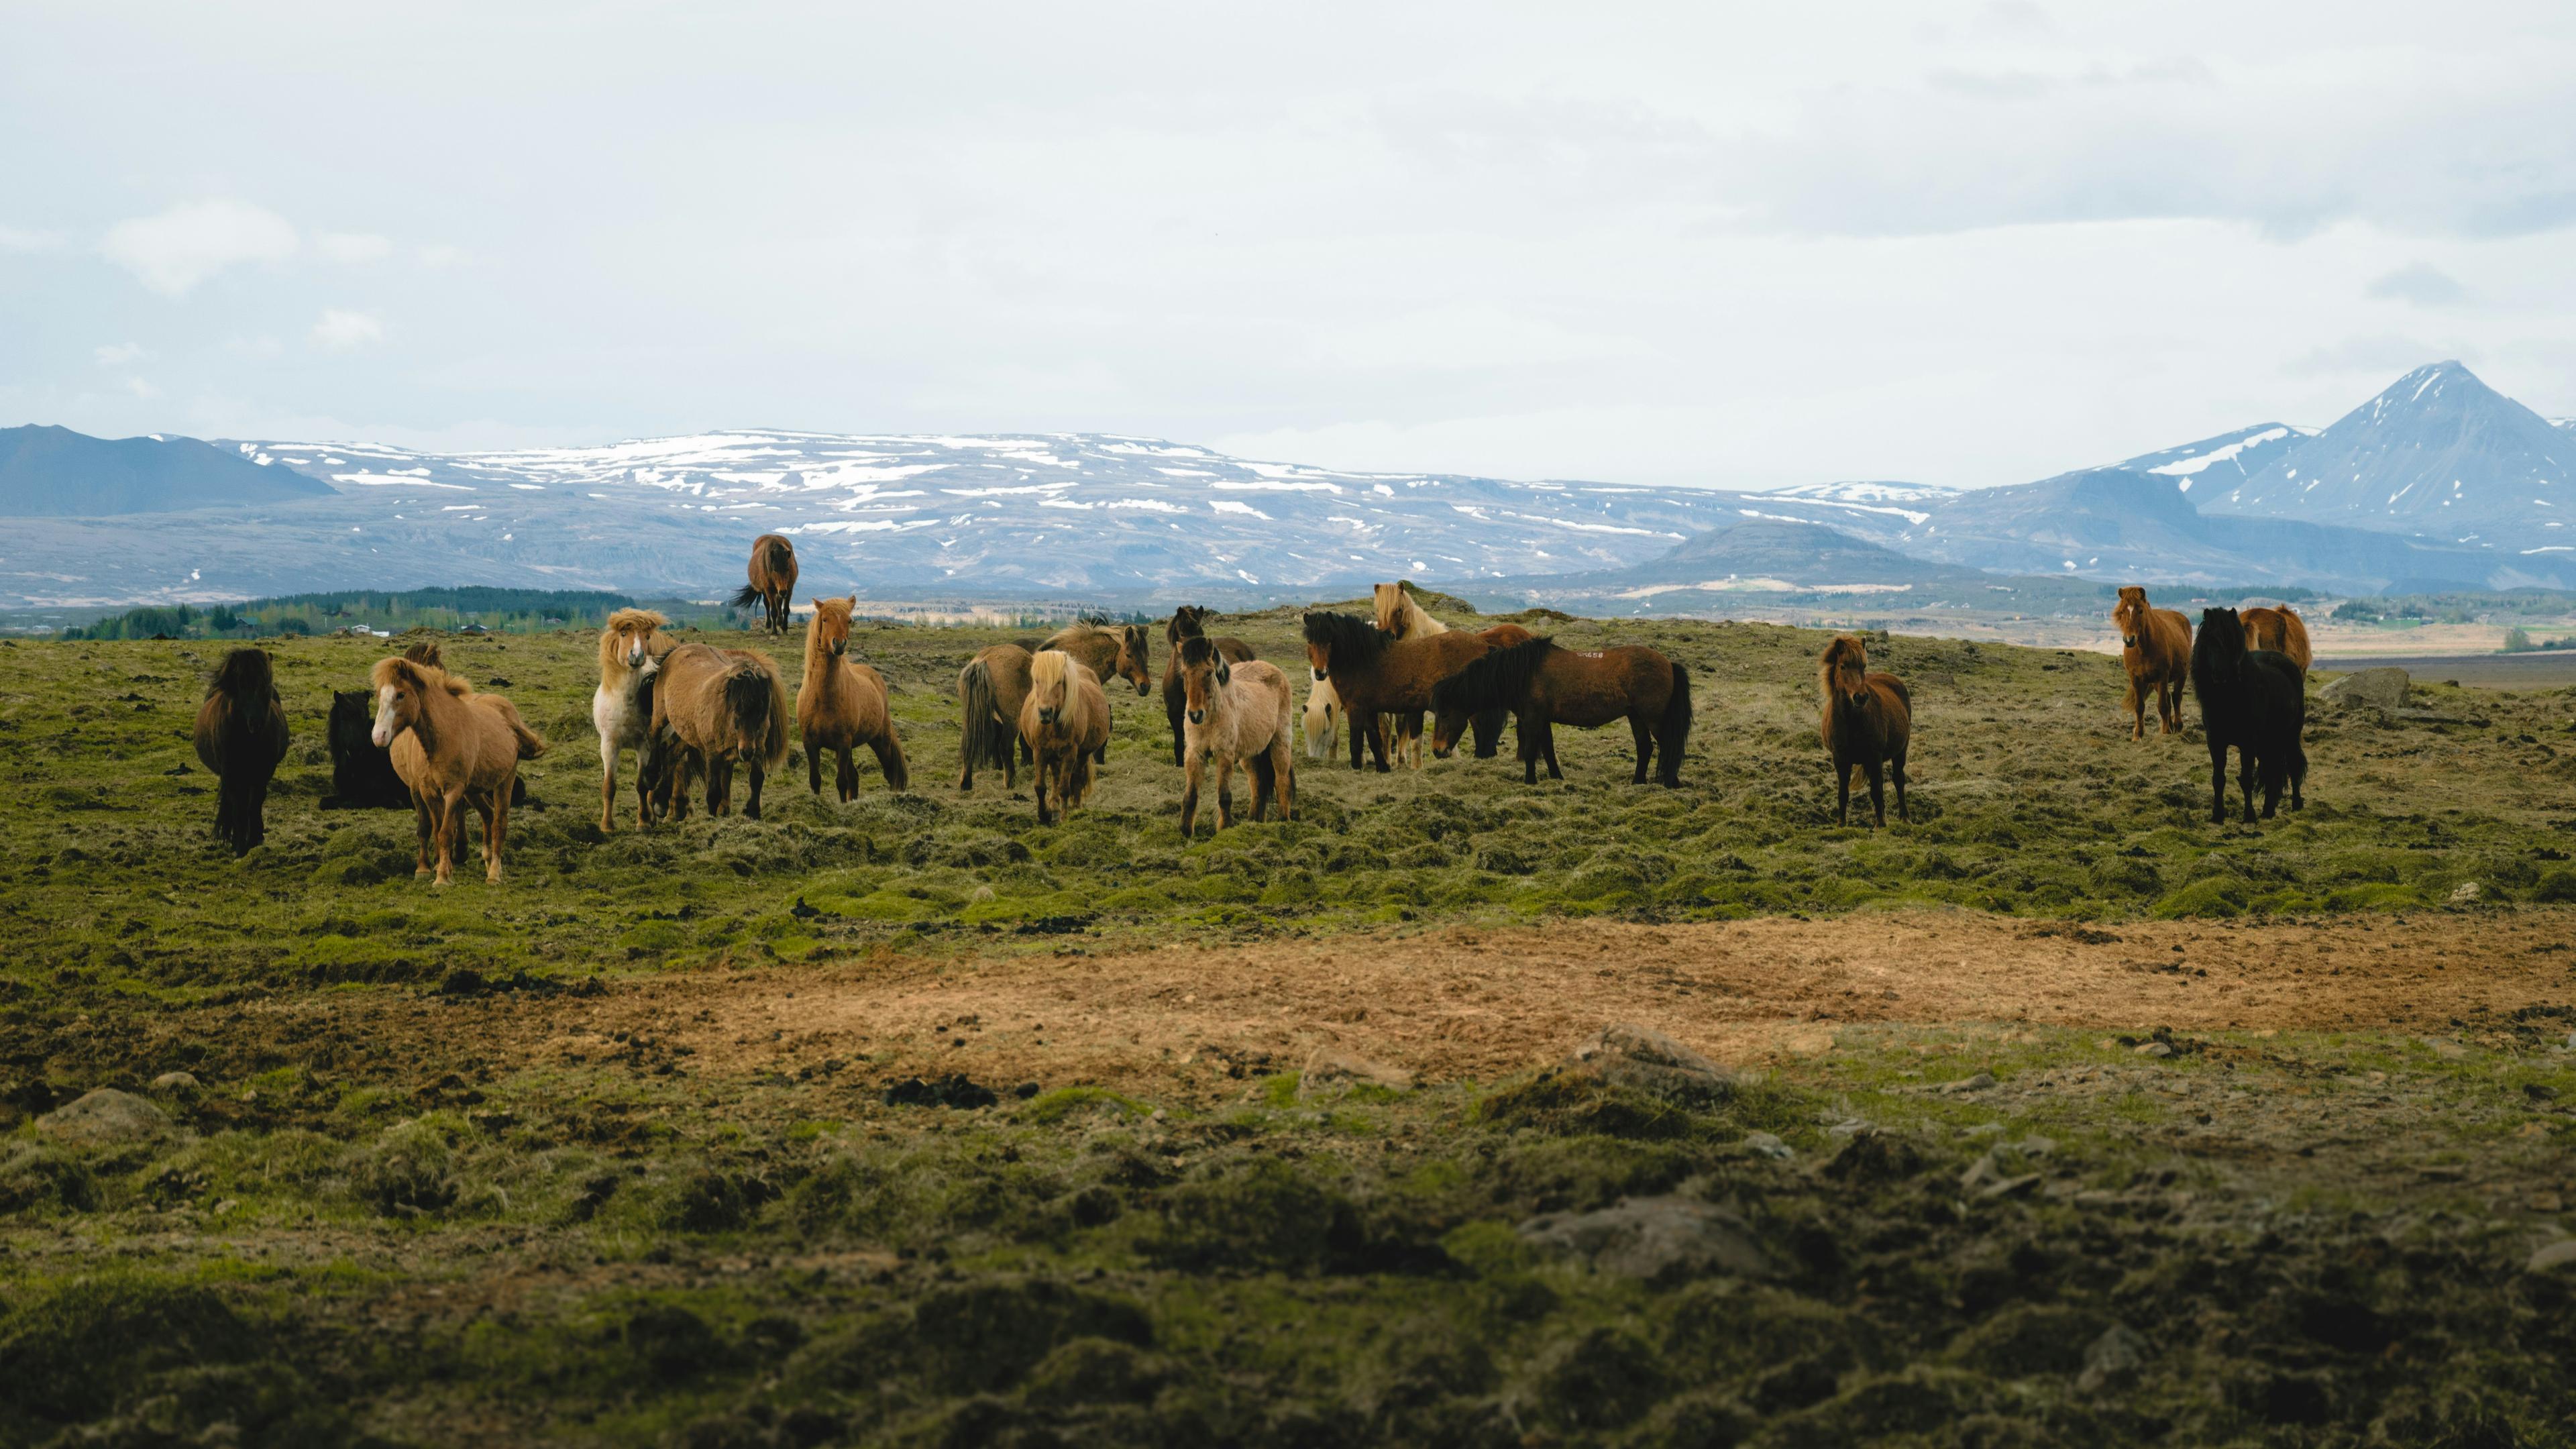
(2255, 700)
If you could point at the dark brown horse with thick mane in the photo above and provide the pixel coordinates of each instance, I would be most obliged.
(2155, 647)
(1869, 720)
(1376, 674)
(841, 704)
(241, 736)
(773, 580)
(1189, 621)
(2280, 630)
(1545, 686)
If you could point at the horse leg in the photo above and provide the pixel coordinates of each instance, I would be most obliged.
(1877, 792)
(1225, 791)
(1172, 702)
(1378, 741)
(847, 782)
(1283, 775)
(751, 806)
(1192, 769)
(1038, 781)
(1547, 743)
(1525, 744)
(1896, 767)
(2217, 779)
(1842, 791)
(496, 824)
(1644, 731)
(426, 822)
(814, 768)
(2173, 707)
(2245, 768)
(451, 823)
(2138, 708)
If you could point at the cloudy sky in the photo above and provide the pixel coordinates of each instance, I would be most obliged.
(1728, 244)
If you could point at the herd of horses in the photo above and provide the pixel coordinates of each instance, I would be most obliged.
(695, 713)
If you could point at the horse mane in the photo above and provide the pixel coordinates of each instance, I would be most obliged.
(1354, 641)
(2222, 633)
(1047, 669)
(1197, 649)
(619, 622)
(425, 651)
(1498, 679)
(395, 667)
(246, 675)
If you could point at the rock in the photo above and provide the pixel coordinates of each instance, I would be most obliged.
(1763, 1144)
(2113, 1360)
(2465, 893)
(2009, 1187)
(1875, 1156)
(953, 1090)
(169, 1083)
(2382, 689)
(1977, 1083)
(2153, 1049)
(2552, 1257)
(1651, 1062)
(1330, 1066)
(1652, 1237)
(105, 1118)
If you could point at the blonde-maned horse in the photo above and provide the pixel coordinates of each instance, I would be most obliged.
(841, 704)
(721, 706)
(989, 691)
(1236, 713)
(1402, 615)
(622, 707)
(2155, 649)
(1323, 718)
(455, 750)
(1065, 719)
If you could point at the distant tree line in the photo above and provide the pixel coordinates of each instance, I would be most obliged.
(513, 611)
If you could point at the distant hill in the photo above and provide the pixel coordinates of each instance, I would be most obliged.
(49, 472)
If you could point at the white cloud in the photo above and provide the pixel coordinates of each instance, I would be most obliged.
(142, 389)
(351, 247)
(26, 239)
(340, 330)
(118, 354)
(173, 251)
(2421, 283)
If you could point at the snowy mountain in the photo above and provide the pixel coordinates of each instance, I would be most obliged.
(2227, 458)
(2439, 454)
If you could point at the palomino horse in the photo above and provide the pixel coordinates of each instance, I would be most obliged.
(1238, 712)
(1376, 674)
(1065, 719)
(241, 735)
(622, 707)
(1402, 615)
(1323, 715)
(2155, 647)
(1869, 720)
(721, 706)
(455, 750)
(989, 691)
(2255, 700)
(773, 580)
(1545, 686)
(841, 703)
(1189, 621)
(2280, 630)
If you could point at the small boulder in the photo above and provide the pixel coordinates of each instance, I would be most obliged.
(2112, 1361)
(2382, 689)
(1653, 1063)
(104, 1118)
(2557, 1257)
(175, 1084)
(1330, 1067)
(1653, 1238)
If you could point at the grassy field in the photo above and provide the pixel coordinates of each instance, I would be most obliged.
(604, 1154)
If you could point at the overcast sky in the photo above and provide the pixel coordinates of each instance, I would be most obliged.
(1727, 244)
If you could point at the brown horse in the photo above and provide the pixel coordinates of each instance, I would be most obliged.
(1402, 615)
(1238, 712)
(1119, 653)
(989, 691)
(1545, 686)
(1869, 719)
(241, 736)
(2155, 647)
(773, 579)
(1377, 674)
(1189, 621)
(1065, 719)
(841, 704)
(721, 706)
(2280, 630)
(455, 750)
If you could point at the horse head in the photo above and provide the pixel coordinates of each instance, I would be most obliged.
(831, 625)
(1049, 679)
(1203, 673)
(627, 641)
(1135, 657)
(1321, 708)
(400, 690)
(1186, 620)
(2223, 630)
(2131, 616)
(1846, 670)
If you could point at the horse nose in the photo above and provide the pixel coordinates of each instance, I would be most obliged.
(1198, 716)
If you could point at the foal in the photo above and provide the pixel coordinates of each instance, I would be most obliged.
(1189, 621)
(1869, 718)
(455, 750)
(1238, 713)
(1065, 719)
(841, 704)
(241, 736)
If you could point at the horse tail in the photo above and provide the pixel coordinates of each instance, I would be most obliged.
(746, 596)
(765, 734)
(1673, 730)
(530, 745)
(984, 740)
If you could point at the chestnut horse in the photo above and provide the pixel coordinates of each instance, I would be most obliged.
(1545, 686)
(1189, 621)
(1869, 720)
(773, 580)
(241, 736)
(1375, 674)
(1109, 653)
(989, 691)
(455, 750)
(2280, 630)
(1238, 712)
(2155, 647)
(721, 706)
(2255, 700)
(1065, 719)
(620, 708)
(840, 704)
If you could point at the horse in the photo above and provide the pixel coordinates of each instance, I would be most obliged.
(1065, 719)
(1239, 712)
(1109, 653)
(455, 750)
(622, 707)
(1544, 686)
(841, 704)
(362, 772)
(1323, 709)
(1375, 673)
(2155, 647)
(989, 691)
(1869, 720)
(2255, 700)
(241, 737)
(721, 706)
(1189, 621)
(773, 580)
(1402, 615)
(2280, 630)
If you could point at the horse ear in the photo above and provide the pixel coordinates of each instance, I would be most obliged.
(1224, 674)
(818, 605)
